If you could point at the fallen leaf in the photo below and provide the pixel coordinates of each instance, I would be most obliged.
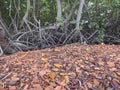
(23, 56)
(58, 88)
(56, 50)
(37, 87)
(43, 72)
(49, 88)
(65, 74)
(44, 59)
(87, 49)
(12, 88)
(64, 88)
(113, 69)
(118, 74)
(52, 76)
(63, 83)
(100, 62)
(111, 64)
(55, 69)
(15, 79)
(67, 79)
(31, 62)
(101, 87)
(42, 54)
(1, 88)
(58, 65)
(26, 87)
(118, 81)
(89, 85)
(78, 70)
(96, 82)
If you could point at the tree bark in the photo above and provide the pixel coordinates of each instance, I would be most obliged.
(59, 9)
(82, 2)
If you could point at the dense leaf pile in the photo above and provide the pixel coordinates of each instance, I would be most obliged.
(71, 67)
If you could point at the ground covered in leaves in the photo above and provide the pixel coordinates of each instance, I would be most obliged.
(70, 67)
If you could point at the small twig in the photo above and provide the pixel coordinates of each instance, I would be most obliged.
(5, 76)
(92, 35)
(1, 51)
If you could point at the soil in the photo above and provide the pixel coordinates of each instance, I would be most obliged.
(69, 67)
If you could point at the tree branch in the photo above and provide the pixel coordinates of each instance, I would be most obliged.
(82, 2)
(26, 15)
(71, 12)
(59, 9)
(1, 51)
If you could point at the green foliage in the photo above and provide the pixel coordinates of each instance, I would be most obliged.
(47, 11)
(100, 14)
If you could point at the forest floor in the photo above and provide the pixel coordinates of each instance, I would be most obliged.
(69, 67)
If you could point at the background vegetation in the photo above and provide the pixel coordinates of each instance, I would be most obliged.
(47, 23)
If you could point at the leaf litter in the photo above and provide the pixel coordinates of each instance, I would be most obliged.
(69, 67)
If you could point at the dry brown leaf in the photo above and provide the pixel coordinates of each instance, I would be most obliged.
(55, 69)
(56, 50)
(37, 87)
(44, 59)
(1, 88)
(100, 62)
(67, 79)
(43, 72)
(23, 56)
(112, 69)
(118, 81)
(31, 62)
(63, 74)
(18, 62)
(101, 87)
(15, 79)
(58, 88)
(34, 68)
(82, 66)
(86, 87)
(96, 82)
(45, 66)
(111, 64)
(63, 83)
(49, 88)
(52, 76)
(117, 58)
(26, 87)
(78, 70)
(12, 88)
(89, 85)
(118, 74)
(65, 89)
(66, 74)
(57, 65)
(42, 54)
